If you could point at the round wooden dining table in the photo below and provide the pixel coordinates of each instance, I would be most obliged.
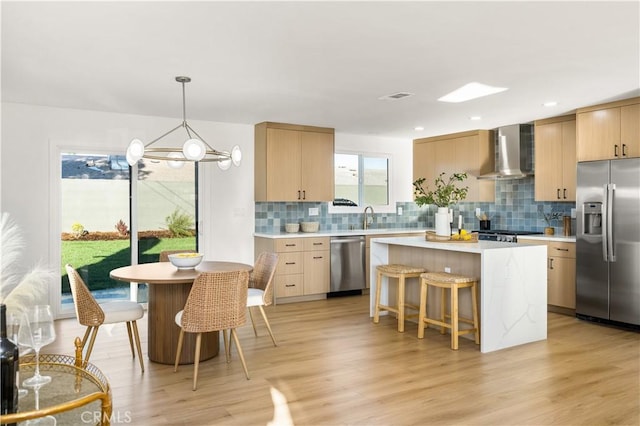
(169, 288)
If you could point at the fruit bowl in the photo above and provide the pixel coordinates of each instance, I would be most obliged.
(185, 260)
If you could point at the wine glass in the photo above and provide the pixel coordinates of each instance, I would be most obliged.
(37, 331)
(40, 421)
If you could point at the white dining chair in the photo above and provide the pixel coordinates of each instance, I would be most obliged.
(261, 288)
(92, 314)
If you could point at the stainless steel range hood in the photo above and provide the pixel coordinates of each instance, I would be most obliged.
(512, 153)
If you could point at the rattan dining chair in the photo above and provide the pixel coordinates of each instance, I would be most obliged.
(261, 288)
(92, 314)
(164, 255)
(217, 302)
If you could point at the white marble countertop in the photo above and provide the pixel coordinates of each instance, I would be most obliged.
(420, 242)
(373, 231)
(560, 238)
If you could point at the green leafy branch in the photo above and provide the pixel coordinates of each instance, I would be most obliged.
(444, 193)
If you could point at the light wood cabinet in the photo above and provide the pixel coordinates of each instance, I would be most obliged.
(561, 273)
(317, 265)
(561, 278)
(555, 159)
(609, 131)
(293, 163)
(303, 271)
(469, 152)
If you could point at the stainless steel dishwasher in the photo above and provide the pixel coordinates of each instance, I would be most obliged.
(347, 263)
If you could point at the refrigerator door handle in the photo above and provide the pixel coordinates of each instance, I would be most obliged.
(605, 221)
(610, 242)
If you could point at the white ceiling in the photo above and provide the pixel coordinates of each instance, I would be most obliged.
(322, 63)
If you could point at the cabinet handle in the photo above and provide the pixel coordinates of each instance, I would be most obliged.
(561, 249)
(558, 193)
(615, 150)
(289, 285)
(298, 194)
(289, 245)
(624, 149)
(318, 257)
(290, 263)
(551, 263)
(304, 194)
(564, 192)
(318, 244)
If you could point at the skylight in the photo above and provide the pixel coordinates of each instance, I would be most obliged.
(470, 91)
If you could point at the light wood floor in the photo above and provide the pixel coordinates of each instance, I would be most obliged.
(333, 366)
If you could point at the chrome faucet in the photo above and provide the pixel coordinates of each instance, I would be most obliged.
(365, 222)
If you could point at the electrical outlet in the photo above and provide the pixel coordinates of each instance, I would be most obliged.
(573, 213)
(478, 211)
(399, 211)
(313, 211)
(447, 269)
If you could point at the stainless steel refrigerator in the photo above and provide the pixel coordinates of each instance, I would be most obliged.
(608, 241)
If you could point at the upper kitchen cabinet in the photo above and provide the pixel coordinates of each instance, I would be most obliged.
(469, 152)
(609, 131)
(293, 162)
(555, 159)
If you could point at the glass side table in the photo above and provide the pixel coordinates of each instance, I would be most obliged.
(78, 394)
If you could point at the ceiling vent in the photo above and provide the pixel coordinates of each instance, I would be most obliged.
(395, 96)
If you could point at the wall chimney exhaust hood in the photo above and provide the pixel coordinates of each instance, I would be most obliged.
(512, 153)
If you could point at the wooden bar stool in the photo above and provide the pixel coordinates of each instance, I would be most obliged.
(401, 272)
(453, 282)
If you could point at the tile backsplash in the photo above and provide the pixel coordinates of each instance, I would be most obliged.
(514, 209)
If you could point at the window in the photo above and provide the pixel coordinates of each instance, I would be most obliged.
(361, 180)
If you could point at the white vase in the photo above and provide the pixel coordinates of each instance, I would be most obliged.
(443, 227)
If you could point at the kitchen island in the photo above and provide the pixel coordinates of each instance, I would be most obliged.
(512, 283)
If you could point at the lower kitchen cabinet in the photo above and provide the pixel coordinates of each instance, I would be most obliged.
(303, 271)
(561, 273)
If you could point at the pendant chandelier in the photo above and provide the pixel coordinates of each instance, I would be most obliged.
(193, 149)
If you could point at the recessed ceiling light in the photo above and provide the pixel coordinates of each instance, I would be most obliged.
(550, 104)
(475, 117)
(418, 128)
(470, 91)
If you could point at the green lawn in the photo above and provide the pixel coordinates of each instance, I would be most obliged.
(95, 259)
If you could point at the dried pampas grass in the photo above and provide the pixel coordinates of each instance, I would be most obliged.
(19, 290)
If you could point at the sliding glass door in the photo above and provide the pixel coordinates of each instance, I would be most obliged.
(94, 191)
(109, 220)
(165, 208)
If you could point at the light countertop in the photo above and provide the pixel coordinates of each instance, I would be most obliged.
(465, 247)
(559, 238)
(387, 231)
(373, 231)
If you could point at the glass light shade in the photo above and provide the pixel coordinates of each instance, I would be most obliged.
(226, 163)
(130, 160)
(175, 164)
(194, 150)
(236, 155)
(135, 151)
